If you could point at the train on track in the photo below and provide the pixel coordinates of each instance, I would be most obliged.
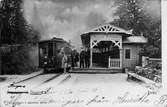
(49, 51)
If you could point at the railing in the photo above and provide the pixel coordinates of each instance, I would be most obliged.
(114, 63)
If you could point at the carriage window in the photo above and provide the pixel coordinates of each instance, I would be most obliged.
(44, 51)
(127, 53)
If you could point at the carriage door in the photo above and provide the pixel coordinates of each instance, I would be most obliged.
(50, 49)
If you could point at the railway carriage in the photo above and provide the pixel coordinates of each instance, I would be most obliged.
(49, 58)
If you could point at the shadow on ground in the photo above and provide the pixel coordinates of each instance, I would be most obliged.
(2, 79)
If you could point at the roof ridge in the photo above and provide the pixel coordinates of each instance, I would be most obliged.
(109, 28)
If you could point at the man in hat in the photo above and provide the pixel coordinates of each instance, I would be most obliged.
(87, 58)
(82, 58)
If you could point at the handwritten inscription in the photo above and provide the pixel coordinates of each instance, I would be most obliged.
(95, 99)
(162, 101)
(153, 86)
(66, 97)
(98, 99)
(13, 100)
(127, 98)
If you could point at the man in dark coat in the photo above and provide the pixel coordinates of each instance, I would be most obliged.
(76, 58)
(72, 58)
(87, 58)
(82, 58)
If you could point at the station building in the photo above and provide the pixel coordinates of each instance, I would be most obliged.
(112, 47)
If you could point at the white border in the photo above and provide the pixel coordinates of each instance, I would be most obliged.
(164, 43)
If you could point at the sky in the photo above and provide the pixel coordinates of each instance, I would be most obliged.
(68, 19)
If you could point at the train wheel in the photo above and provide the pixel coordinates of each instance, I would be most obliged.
(45, 70)
(68, 69)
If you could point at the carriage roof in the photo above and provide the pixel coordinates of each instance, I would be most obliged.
(53, 40)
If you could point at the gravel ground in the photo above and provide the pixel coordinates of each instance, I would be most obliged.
(80, 90)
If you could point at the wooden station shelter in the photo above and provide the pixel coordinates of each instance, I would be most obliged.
(112, 47)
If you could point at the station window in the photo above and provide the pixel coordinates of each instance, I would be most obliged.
(127, 53)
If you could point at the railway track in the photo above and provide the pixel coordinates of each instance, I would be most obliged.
(38, 82)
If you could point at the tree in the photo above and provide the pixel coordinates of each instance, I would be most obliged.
(133, 16)
(16, 33)
(14, 24)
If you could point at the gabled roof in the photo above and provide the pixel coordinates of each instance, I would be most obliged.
(108, 28)
(135, 39)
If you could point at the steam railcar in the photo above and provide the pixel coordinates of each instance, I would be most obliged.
(49, 51)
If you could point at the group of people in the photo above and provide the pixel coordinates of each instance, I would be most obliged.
(81, 59)
(85, 58)
(74, 58)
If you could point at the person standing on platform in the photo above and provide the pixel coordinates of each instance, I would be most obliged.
(82, 58)
(87, 58)
(59, 60)
(72, 58)
(64, 62)
(76, 58)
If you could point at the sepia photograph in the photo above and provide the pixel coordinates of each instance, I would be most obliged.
(82, 53)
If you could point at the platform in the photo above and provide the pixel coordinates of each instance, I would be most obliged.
(95, 70)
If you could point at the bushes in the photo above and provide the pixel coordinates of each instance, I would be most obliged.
(17, 62)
